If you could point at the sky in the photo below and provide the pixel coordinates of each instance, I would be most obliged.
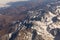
(7, 1)
(3, 3)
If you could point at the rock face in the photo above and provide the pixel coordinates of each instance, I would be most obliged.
(28, 34)
(46, 28)
(41, 24)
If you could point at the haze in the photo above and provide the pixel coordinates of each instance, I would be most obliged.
(7, 1)
(3, 3)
